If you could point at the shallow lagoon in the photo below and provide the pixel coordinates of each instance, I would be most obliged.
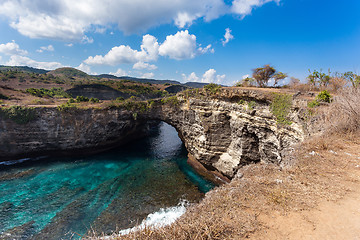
(67, 197)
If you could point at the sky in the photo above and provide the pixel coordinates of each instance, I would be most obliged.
(218, 41)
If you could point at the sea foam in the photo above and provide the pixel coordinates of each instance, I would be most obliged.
(161, 218)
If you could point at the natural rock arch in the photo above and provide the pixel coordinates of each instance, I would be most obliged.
(219, 133)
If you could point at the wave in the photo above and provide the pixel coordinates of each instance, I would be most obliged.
(17, 161)
(161, 218)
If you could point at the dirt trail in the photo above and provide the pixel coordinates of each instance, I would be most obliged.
(330, 220)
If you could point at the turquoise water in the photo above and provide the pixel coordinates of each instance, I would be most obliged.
(64, 198)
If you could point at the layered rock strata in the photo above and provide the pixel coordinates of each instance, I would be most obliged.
(223, 133)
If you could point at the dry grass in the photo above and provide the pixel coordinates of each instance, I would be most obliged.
(344, 112)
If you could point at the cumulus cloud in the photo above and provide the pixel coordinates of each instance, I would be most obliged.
(191, 78)
(227, 37)
(49, 48)
(206, 49)
(17, 60)
(244, 7)
(85, 68)
(148, 75)
(119, 73)
(209, 76)
(142, 65)
(182, 45)
(12, 48)
(69, 20)
(125, 54)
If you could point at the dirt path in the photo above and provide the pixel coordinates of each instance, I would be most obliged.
(330, 219)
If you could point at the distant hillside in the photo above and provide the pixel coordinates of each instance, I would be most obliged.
(141, 80)
(23, 69)
(195, 84)
(68, 72)
(72, 72)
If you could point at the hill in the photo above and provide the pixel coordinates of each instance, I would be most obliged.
(23, 69)
(141, 80)
(69, 72)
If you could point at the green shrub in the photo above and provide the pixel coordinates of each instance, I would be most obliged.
(18, 114)
(241, 102)
(43, 92)
(174, 101)
(324, 96)
(94, 100)
(251, 104)
(67, 107)
(81, 99)
(120, 99)
(313, 104)
(212, 88)
(280, 107)
(71, 100)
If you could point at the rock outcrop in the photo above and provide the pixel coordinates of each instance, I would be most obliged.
(222, 131)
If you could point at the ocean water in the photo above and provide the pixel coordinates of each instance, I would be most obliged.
(144, 182)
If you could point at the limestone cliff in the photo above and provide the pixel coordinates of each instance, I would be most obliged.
(223, 131)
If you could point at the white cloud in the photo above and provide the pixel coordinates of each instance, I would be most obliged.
(206, 49)
(142, 65)
(69, 45)
(86, 40)
(125, 54)
(12, 48)
(119, 73)
(182, 45)
(209, 76)
(69, 21)
(184, 19)
(227, 37)
(148, 75)
(85, 68)
(191, 78)
(49, 48)
(244, 7)
(17, 60)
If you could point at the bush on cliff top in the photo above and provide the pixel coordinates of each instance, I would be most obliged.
(280, 107)
(18, 114)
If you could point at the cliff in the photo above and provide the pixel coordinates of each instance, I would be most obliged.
(223, 130)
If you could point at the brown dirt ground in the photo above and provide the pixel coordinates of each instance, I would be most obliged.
(335, 216)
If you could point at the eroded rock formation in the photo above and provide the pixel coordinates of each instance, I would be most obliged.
(222, 133)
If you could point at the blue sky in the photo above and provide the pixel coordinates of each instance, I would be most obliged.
(205, 40)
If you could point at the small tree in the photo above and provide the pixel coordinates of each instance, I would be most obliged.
(262, 75)
(246, 82)
(352, 78)
(316, 78)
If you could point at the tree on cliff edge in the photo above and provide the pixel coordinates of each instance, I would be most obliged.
(262, 75)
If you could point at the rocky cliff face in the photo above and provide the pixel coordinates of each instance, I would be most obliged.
(222, 131)
(53, 131)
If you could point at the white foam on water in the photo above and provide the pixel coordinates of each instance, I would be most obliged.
(161, 218)
(13, 162)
